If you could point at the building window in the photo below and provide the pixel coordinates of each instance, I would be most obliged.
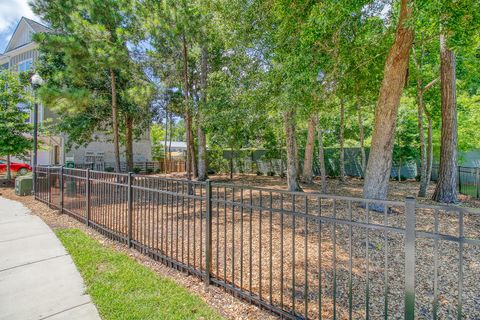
(25, 65)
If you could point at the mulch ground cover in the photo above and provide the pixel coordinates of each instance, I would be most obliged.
(291, 260)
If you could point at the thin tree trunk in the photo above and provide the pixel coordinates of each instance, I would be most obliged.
(342, 140)
(321, 161)
(116, 144)
(399, 174)
(9, 172)
(170, 143)
(429, 151)
(420, 111)
(165, 150)
(193, 154)
(362, 138)
(395, 71)
(202, 139)
(309, 149)
(129, 143)
(423, 146)
(231, 163)
(446, 189)
(292, 167)
(188, 120)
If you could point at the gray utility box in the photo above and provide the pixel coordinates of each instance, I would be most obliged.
(24, 185)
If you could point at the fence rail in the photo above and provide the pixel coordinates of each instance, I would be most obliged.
(299, 255)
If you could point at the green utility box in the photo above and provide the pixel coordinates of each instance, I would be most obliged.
(24, 185)
(69, 164)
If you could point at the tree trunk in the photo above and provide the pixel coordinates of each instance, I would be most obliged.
(421, 132)
(362, 138)
(399, 174)
(202, 139)
(446, 189)
(342, 141)
(165, 150)
(395, 71)
(309, 149)
(9, 172)
(231, 163)
(429, 151)
(116, 144)
(192, 153)
(321, 161)
(423, 147)
(170, 143)
(188, 120)
(292, 167)
(129, 143)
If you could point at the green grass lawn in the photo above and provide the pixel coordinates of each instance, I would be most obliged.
(121, 288)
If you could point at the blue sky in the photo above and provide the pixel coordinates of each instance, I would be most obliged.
(10, 13)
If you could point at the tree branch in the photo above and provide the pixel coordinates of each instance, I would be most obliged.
(430, 84)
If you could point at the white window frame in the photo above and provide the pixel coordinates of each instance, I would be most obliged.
(24, 61)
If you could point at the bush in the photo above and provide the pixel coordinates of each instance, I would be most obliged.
(259, 173)
(271, 173)
(216, 161)
(136, 170)
(157, 170)
(149, 171)
(109, 169)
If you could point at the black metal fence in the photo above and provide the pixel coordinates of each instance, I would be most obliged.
(468, 180)
(299, 255)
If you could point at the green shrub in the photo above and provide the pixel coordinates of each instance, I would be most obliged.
(137, 170)
(149, 170)
(109, 169)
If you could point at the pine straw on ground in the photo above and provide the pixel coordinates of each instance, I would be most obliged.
(230, 225)
(224, 303)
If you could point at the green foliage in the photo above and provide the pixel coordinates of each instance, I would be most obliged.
(15, 100)
(406, 138)
(77, 61)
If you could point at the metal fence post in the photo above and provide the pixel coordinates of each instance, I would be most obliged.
(61, 189)
(49, 188)
(87, 195)
(410, 221)
(129, 210)
(208, 241)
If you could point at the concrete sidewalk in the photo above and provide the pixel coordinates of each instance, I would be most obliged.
(38, 279)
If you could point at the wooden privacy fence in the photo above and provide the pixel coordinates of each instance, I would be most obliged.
(299, 255)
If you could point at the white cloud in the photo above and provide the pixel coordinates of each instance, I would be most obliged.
(11, 11)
